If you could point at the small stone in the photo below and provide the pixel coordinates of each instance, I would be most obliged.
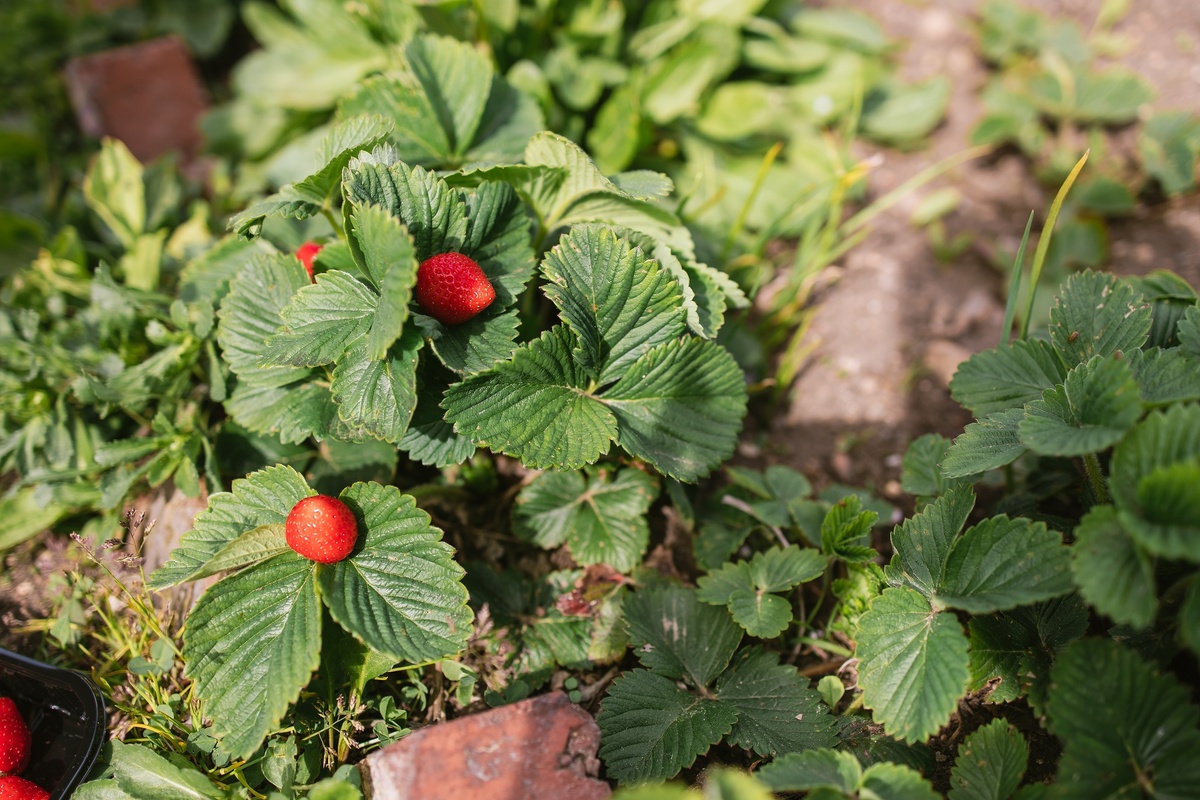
(543, 747)
(148, 95)
(942, 358)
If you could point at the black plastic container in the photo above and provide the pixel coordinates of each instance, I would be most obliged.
(65, 714)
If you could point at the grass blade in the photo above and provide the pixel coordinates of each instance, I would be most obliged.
(1014, 283)
(1039, 256)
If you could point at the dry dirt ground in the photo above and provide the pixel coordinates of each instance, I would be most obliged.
(894, 326)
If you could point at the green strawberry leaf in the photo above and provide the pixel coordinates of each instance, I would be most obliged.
(251, 644)
(345, 140)
(252, 547)
(913, 664)
(498, 238)
(1165, 377)
(287, 202)
(813, 770)
(1150, 474)
(650, 728)
(1188, 331)
(292, 413)
(377, 398)
(778, 712)
(920, 469)
(761, 614)
(599, 513)
(115, 190)
(1003, 563)
(1169, 522)
(1093, 408)
(322, 321)
(534, 407)
(1126, 730)
(618, 303)
(846, 531)
(1096, 314)
(663, 623)
(137, 771)
(382, 247)
(718, 587)
(568, 176)
(434, 214)
(990, 443)
(1170, 298)
(990, 763)
(1113, 573)
(680, 407)
(252, 312)
(922, 543)
(610, 639)
(306, 198)
(782, 569)
(449, 107)
(429, 438)
(555, 640)
(678, 79)
(261, 498)
(746, 587)
(400, 591)
(419, 135)
(476, 345)
(1018, 647)
(903, 113)
(1006, 376)
(834, 775)
(1169, 143)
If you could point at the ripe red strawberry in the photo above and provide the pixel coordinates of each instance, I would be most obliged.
(306, 253)
(14, 788)
(15, 740)
(452, 288)
(321, 528)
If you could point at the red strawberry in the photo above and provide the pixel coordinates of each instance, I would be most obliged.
(321, 528)
(452, 288)
(14, 739)
(14, 788)
(306, 253)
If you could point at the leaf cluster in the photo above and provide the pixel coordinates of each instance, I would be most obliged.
(352, 358)
(616, 77)
(1051, 98)
(696, 688)
(1114, 385)
(254, 639)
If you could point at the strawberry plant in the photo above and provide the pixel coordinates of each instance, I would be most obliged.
(1050, 98)
(1115, 386)
(347, 358)
(399, 593)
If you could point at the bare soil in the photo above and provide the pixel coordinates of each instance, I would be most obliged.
(897, 322)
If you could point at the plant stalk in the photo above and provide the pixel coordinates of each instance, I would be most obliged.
(1091, 464)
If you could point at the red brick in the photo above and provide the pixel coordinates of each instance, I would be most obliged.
(147, 95)
(543, 747)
